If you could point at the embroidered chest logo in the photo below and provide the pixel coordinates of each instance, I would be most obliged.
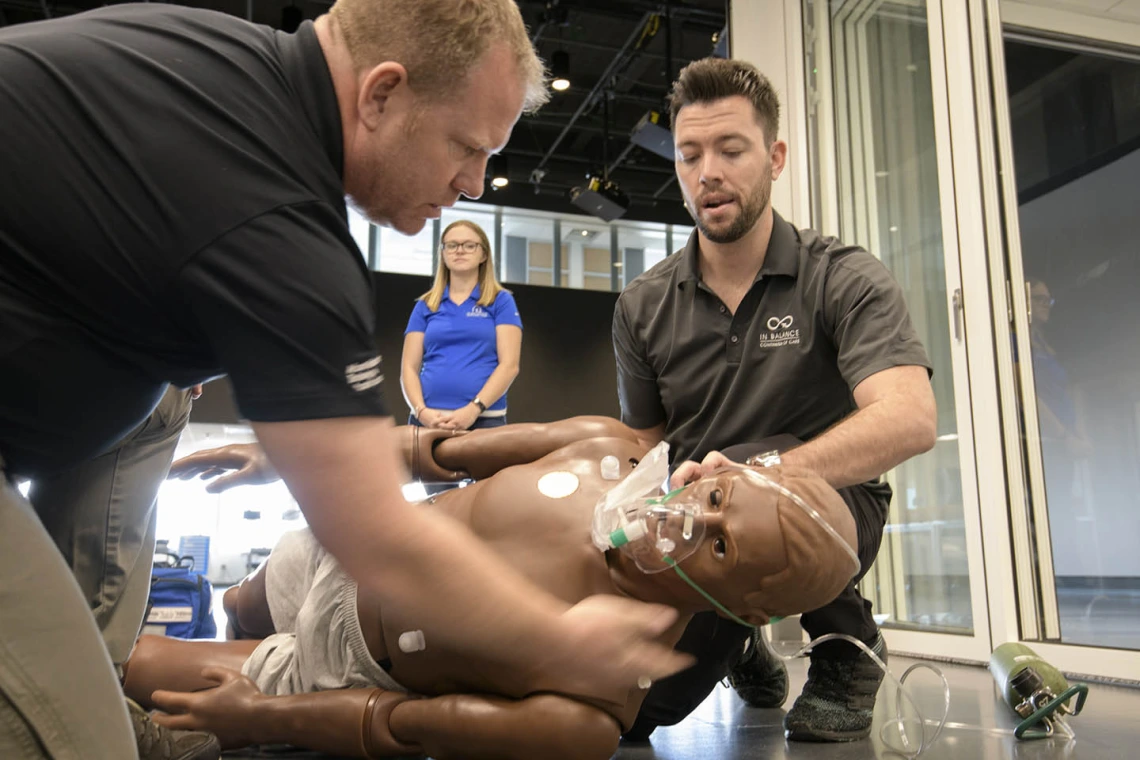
(781, 332)
(478, 311)
(364, 375)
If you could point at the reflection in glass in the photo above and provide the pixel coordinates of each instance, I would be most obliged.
(889, 203)
(1075, 121)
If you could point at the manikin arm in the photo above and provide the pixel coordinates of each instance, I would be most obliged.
(434, 455)
(484, 452)
(378, 723)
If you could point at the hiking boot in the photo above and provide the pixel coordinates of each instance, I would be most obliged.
(838, 700)
(760, 678)
(158, 743)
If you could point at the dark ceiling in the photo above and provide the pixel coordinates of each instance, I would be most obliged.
(622, 56)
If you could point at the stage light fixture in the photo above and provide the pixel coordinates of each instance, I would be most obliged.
(600, 197)
(652, 133)
(499, 177)
(560, 71)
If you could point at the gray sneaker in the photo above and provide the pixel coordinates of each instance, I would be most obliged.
(838, 700)
(158, 743)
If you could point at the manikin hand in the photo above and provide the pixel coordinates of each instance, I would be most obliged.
(689, 471)
(459, 419)
(248, 462)
(228, 710)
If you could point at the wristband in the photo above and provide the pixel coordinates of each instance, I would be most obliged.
(366, 723)
(480, 404)
(419, 410)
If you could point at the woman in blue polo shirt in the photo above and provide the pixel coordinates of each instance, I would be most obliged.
(462, 345)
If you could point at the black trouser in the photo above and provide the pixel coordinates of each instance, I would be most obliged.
(718, 643)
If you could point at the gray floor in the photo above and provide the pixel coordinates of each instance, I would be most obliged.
(979, 727)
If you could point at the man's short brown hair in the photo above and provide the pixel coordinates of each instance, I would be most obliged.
(438, 41)
(710, 79)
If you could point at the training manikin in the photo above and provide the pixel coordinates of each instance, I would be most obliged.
(539, 502)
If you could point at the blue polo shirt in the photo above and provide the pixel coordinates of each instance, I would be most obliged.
(460, 349)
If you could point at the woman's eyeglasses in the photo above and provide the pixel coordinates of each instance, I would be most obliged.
(468, 246)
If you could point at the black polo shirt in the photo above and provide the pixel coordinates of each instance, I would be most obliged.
(172, 209)
(820, 317)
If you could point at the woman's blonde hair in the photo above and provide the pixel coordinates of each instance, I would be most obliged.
(439, 41)
(489, 286)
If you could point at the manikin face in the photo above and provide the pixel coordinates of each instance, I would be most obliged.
(407, 158)
(725, 170)
(460, 260)
(761, 554)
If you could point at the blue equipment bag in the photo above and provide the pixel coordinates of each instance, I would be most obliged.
(180, 601)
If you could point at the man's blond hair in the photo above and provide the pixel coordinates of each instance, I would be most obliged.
(439, 41)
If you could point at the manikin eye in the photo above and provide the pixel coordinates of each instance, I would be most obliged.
(716, 498)
(719, 547)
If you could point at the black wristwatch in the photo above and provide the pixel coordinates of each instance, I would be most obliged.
(480, 404)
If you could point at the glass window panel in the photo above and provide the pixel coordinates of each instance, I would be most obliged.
(528, 244)
(681, 233)
(359, 226)
(584, 250)
(404, 254)
(1075, 121)
(640, 247)
(889, 203)
(585, 253)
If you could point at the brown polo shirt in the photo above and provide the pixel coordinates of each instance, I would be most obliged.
(820, 317)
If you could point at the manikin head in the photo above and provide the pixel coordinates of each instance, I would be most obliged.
(760, 554)
(428, 91)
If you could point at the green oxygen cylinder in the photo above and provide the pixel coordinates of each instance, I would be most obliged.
(1036, 691)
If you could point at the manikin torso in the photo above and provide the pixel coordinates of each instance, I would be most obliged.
(545, 537)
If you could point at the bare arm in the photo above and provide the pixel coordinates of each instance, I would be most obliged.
(346, 474)
(508, 345)
(895, 421)
(411, 362)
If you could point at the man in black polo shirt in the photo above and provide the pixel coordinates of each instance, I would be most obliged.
(172, 209)
(757, 330)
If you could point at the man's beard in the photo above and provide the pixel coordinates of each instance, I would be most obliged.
(751, 209)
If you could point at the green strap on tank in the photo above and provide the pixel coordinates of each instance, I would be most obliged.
(1025, 729)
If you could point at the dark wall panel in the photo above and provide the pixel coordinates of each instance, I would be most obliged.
(567, 365)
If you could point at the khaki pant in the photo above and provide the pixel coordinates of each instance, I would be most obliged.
(59, 697)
